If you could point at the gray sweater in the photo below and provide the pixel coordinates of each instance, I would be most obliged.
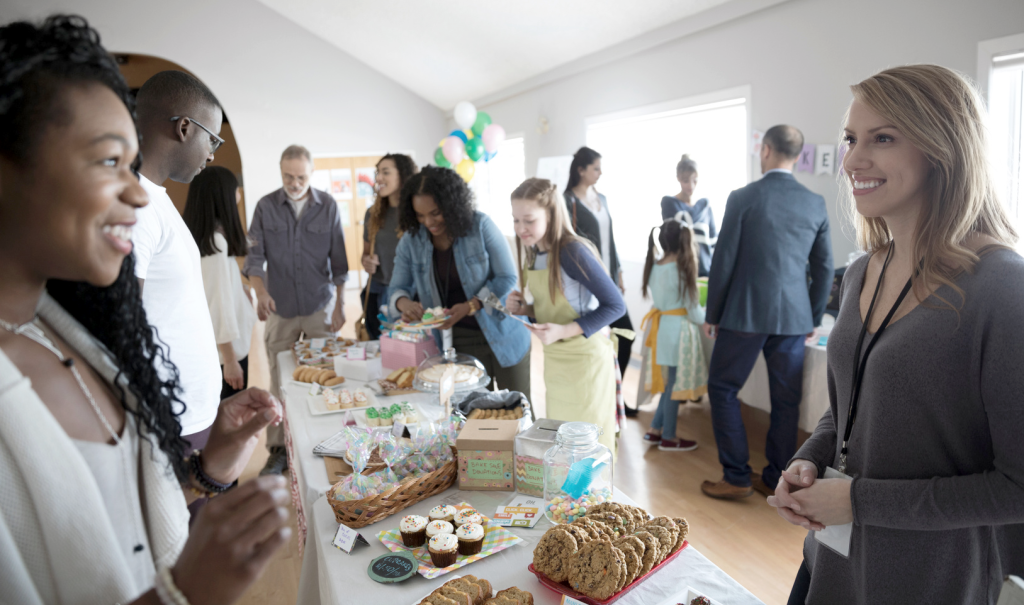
(937, 451)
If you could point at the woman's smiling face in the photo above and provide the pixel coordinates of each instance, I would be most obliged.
(68, 212)
(429, 214)
(889, 175)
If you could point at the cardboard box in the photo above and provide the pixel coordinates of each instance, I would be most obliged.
(397, 354)
(486, 455)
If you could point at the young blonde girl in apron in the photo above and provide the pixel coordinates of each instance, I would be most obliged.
(674, 365)
(574, 300)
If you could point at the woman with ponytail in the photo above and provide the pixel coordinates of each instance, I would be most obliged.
(698, 212)
(574, 300)
(673, 360)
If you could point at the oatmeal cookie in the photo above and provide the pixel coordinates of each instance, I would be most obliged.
(651, 552)
(684, 530)
(554, 552)
(665, 540)
(597, 571)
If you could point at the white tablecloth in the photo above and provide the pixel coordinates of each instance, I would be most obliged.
(331, 576)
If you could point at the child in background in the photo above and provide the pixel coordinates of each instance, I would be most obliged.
(574, 300)
(673, 358)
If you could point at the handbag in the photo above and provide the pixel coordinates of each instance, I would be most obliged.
(362, 333)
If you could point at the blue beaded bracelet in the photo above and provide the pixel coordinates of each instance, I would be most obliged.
(205, 481)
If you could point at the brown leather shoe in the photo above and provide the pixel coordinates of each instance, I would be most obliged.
(760, 486)
(723, 490)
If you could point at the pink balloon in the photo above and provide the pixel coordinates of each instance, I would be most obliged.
(454, 150)
(493, 136)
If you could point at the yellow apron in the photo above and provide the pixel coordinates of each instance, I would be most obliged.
(655, 314)
(579, 372)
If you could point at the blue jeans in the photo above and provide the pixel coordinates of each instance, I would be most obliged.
(731, 362)
(668, 409)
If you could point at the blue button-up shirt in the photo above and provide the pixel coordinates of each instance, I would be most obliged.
(304, 258)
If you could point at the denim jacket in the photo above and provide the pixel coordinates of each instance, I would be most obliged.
(485, 265)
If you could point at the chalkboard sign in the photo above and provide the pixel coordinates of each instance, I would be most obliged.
(393, 567)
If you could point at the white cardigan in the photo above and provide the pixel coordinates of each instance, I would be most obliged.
(57, 542)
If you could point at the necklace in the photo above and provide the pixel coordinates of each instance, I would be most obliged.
(32, 331)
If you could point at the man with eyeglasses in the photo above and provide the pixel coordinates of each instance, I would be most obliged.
(296, 232)
(179, 119)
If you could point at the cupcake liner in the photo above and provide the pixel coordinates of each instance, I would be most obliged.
(414, 539)
(443, 559)
(470, 547)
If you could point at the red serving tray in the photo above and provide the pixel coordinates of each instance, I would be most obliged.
(563, 588)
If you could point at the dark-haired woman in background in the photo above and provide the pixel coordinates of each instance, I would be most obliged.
(211, 214)
(381, 233)
(90, 446)
(588, 210)
(453, 256)
(701, 220)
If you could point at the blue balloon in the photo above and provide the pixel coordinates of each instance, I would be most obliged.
(460, 134)
(489, 154)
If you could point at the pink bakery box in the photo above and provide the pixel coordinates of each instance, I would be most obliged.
(400, 354)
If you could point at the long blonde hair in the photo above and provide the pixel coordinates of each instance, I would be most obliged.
(544, 193)
(940, 113)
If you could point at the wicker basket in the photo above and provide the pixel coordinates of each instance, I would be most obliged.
(360, 513)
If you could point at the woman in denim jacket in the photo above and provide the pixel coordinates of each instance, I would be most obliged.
(455, 261)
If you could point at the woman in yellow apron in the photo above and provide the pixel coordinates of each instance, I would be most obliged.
(574, 300)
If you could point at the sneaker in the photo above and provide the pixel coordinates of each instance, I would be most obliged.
(652, 438)
(632, 412)
(277, 463)
(679, 445)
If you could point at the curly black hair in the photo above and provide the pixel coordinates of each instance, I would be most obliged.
(37, 62)
(451, 194)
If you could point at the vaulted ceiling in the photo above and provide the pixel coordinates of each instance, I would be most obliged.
(452, 50)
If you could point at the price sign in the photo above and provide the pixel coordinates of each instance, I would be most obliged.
(317, 343)
(347, 538)
(393, 567)
(356, 354)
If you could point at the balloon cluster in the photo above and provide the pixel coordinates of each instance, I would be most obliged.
(477, 139)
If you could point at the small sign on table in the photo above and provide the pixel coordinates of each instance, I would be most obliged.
(355, 354)
(399, 430)
(347, 538)
(447, 389)
(393, 567)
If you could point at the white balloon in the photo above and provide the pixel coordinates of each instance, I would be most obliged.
(465, 115)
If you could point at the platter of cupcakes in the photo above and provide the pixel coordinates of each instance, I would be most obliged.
(330, 401)
(386, 416)
(449, 538)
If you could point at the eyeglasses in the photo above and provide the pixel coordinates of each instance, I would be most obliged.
(215, 141)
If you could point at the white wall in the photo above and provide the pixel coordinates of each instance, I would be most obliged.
(799, 57)
(278, 83)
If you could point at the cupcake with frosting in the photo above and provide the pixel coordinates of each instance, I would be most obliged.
(439, 528)
(414, 530)
(442, 513)
(443, 550)
(470, 537)
(468, 515)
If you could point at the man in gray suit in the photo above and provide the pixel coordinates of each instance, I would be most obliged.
(759, 300)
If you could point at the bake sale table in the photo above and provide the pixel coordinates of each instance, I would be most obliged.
(333, 577)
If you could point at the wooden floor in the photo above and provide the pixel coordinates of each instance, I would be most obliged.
(746, 538)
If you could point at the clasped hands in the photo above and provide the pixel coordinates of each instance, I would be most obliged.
(814, 504)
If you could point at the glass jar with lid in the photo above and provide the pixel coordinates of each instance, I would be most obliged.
(578, 472)
(531, 445)
(469, 372)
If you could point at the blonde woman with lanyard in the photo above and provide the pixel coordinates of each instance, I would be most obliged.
(914, 478)
(574, 300)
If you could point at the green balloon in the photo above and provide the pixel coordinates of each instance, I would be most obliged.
(483, 120)
(475, 149)
(440, 160)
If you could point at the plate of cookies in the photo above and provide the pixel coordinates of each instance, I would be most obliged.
(398, 382)
(308, 376)
(602, 556)
(470, 590)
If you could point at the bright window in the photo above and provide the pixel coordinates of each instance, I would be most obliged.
(495, 180)
(1006, 130)
(640, 151)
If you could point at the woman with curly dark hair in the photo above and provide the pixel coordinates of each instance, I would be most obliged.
(381, 233)
(91, 454)
(453, 256)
